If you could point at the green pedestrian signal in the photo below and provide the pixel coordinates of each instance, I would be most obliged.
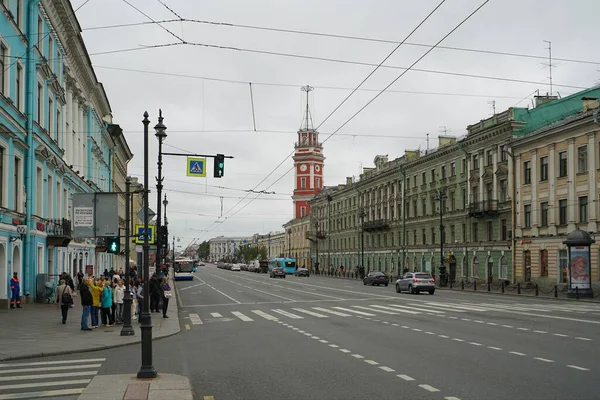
(113, 245)
(219, 166)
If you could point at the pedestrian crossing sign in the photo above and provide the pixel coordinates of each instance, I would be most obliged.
(140, 234)
(196, 167)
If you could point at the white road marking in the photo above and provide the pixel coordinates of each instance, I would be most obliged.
(451, 398)
(398, 308)
(340, 314)
(371, 362)
(507, 326)
(379, 311)
(314, 314)
(195, 319)
(355, 311)
(475, 344)
(492, 323)
(560, 334)
(479, 321)
(578, 368)
(582, 338)
(287, 314)
(430, 333)
(466, 319)
(44, 384)
(315, 337)
(45, 393)
(323, 341)
(543, 359)
(357, 356)
(444, 336)
(405, 377)
(46, 376)
(417, 330)
(540, 331)
(429, 388)
(523, 329)
(335, 346)
(387, 369)
(30, 364)
(345, 350)
(494, 348)
(516, 353)
(216, 315)
(265, 315)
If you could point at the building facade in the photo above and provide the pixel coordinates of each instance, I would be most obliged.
(224, 248)
(298, 241)
(54, 142)
(556, 187)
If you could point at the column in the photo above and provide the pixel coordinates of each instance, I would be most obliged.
(571, 163)
(495, 177)
(468, 171)
(510, 179)
(592, 194)
(552, 199)
(75, 143)
(481, 168)
(518, 230)
(534, 193)
(81, 134)
(67, 135)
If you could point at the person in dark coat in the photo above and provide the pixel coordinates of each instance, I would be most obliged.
(86, 303)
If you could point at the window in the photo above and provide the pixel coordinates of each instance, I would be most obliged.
(19, 17)
(452, 234)
(489, 158)
(433, 235)
(424, 206)
(424, 178)
(504, 154)
(527, 216)
(452, 201)
(582, 163)
(544, 168)
(433, 175)
(16, 184)
(50, 55)
(474, 232)
(562, 212)
(415, 211)
(464, 196)
(40, 32)
(59, 133)
(443, 172)
(563, 265)
(424, 236)
(464, 233)
(562, 164)
(302, 212)
(489, 189)
(464, 165)
(49, 188)
(504, 229)
(503, 190)
(490, 231)
(475, 194)
(3, 63)
(415, 181)
(19, 87)
(544, 213)
(51, 118)
(2, 152)
(527, 172)
(40, 195)
(583, 209)
(39, 104)
(452, 169)
(302, 183)
(475, 161)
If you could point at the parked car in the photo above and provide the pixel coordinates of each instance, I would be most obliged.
(415, 282)
(277, 272)
(376, 278)
(302, 272)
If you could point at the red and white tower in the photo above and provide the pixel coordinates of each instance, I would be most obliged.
(308, 163)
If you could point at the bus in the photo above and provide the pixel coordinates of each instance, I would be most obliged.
(288, 264)
(184, 268)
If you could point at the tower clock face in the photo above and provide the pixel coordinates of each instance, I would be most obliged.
(317, 168)
(303, 167)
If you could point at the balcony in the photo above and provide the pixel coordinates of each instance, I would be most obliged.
(482, 208)
(377, 225)
(59, 232)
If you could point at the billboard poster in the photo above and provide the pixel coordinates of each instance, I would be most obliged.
(580, 267)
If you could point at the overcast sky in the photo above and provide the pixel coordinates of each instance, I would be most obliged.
(208, 108)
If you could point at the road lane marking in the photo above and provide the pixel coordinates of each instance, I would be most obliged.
(314, 314)
(560, 334)
(516, 353)
(430, 333)
(405, 377)
(31, 364)
(264, 315)
(195, 319)
(578, 368)
(379, 311)
(357, 356)
(47, 376)
(406, 310)
(475, 344)
(242, 316)
(345, 350)
(507, 326)
(444, 336)
(187, 327)
(371, 362)
(193, 286)
(429, 388)
(226, 295)
(324, 341)
(543, 359)
(216, 315)
(387, 369)
(287, 314)
(335, 346)
(540, 331)
(44, 384)
(355, 311)
(49, 369)
(582, 338)
(451, 398)
(417, 330)
(45, 393)
(523, 329)
(492, 323)
(494, 348)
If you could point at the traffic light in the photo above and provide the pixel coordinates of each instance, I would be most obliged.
(113, 245)
(219, 166)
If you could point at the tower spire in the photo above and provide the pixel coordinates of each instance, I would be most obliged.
(307, 118)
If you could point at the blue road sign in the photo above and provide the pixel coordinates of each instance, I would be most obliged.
(196, 167)
(140, 233)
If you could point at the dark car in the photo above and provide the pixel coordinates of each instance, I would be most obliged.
(302, 272)
(277, 272)
(376, 278)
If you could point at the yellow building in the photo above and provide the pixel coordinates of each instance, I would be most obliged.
(556, 192)
(298, 243)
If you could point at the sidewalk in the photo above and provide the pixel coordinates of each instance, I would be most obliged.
(128, 387)
(36, 330)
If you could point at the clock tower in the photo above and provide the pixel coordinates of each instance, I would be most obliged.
(308, 163)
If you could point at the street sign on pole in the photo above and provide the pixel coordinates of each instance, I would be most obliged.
(151, 214)
(95, 214)
(140, 233)
(196, 166)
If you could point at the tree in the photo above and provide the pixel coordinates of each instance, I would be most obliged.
(203, 250)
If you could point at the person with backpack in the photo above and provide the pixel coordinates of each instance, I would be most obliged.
(64, 298)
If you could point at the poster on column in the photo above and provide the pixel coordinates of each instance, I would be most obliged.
(580, 267)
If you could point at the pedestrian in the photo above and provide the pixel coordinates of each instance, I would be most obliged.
(166, 290)
(154, 293)
(106, 304)
(118, 295)
(96, 289)
(64, 298)
(15, 288)
(87, 301)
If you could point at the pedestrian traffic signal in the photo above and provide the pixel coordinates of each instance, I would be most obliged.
(113, 245)
(219, 166)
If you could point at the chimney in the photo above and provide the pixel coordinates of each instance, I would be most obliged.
(348, 180)
(411, 154)
(446, 141)
(590, 103)
(541, 100)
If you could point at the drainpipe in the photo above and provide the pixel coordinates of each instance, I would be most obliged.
(28, 248)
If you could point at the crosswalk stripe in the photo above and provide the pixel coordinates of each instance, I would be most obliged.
(379, 311)
(355, 311)
(42, 369)
(339, 314)
(455, 306)
(12, 365)
(265, 315)
(195, 319)
(242, 316)
(395, 309)
(314, 314)
(287, 314)
(45, 393)
(43, 384)
(47, 376)
(420, 307)
(216, 315)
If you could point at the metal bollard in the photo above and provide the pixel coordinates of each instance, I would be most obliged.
(502, 285)
(489, 286)
(519, 288)
(475, 285)
(537, 290)
(462, 285)
(555, 290)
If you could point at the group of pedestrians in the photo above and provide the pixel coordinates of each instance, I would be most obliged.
(102, 298)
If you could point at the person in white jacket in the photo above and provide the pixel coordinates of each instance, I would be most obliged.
(118, 295)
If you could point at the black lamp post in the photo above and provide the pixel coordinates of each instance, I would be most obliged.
(441, 197)
(165, 245)
(161, 135)
(127, 329)
(147, 370)
(317, 247)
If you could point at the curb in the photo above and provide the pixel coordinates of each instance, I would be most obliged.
(545, 298)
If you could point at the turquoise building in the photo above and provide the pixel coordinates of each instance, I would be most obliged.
(54, 142)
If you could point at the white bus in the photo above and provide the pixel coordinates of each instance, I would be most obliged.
(184, 269)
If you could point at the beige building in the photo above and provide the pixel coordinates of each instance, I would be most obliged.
(275, 243)
(298, 244)
(556, 191)
(137, 202)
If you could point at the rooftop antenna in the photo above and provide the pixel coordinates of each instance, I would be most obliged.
(444, 129)
(493, 104)
(427, 140)
(549, 62)
(307, 123)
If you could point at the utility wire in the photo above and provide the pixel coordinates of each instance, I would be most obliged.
(78, 8)
(152, 19)
(171, 10)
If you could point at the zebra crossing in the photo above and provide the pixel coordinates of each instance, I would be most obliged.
(431, 308)
(59, 379)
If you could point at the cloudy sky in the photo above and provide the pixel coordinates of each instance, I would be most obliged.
(204, 90)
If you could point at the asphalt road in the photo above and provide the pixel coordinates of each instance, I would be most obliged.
(246, 336)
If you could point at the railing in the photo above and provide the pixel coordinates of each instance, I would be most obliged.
(59, 232)
(378, 224)
(483, 207)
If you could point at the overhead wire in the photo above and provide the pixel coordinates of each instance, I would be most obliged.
(153, 20)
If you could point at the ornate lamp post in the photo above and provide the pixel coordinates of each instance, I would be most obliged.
(161, 135)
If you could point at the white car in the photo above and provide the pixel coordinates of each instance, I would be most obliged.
(235, 267)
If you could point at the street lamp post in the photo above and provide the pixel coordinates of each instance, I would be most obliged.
(317, 247)
(147, 370)
(329, 198)
(289, 232)
(166, 236)
(161, 135)
(441, 197)
(127, 329)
